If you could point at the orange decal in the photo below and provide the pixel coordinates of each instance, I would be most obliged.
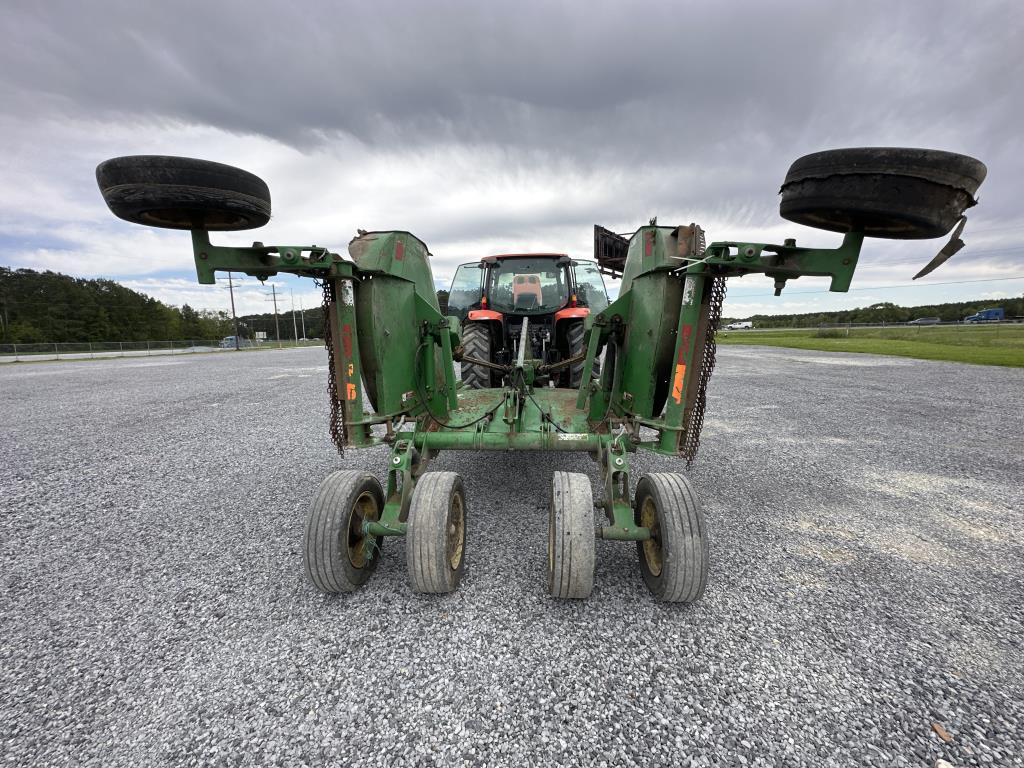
(351, 391)
(677, 383)
(346, 340)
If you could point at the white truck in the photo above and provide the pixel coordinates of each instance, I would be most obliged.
(741, 325)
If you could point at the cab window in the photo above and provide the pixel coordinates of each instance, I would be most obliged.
(467, 287)
(590, 290)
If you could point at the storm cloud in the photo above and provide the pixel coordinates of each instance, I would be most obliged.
(486, 126)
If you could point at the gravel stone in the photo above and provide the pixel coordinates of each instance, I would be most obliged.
(866, 517)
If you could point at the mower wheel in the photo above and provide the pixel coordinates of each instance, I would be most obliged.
(674, 561)
(476, 342)
(435, 544)
(339, 556)
(183, 193)
(571, 536)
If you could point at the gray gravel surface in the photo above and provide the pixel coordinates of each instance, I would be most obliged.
(867, 549)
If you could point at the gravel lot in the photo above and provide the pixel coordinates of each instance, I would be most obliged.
(867, 521)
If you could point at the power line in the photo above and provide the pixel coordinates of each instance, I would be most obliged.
(1000, 229)
(882, 262)
(884, 287)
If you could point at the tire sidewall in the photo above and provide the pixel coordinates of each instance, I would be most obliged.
(655, 583)
(459, 490)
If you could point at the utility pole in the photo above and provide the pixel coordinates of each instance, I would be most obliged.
(277, 324)
(234, 318)
(302, 314)
(295, 329)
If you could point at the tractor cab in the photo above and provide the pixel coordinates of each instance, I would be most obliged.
(492, 296)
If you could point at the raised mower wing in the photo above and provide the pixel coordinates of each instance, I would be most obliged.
(610, 251)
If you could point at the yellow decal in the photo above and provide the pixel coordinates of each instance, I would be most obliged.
(677, 383)
(351, 369)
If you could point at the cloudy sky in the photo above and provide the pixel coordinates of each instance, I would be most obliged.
(489, 127)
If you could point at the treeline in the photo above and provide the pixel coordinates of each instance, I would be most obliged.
(290, 326)
(250, 325)
(48, 306)
(51, 307)
(885, 312)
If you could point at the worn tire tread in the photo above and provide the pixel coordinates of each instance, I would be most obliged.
(426, 535)
(476, 342)
(684, 542)
(326, 564)
(571, 526)
(201, 190)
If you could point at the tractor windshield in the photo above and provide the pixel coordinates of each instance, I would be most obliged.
(529, 286)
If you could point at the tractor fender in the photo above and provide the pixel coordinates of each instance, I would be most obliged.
(484, 314)
(571, 313)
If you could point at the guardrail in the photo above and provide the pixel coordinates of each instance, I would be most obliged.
(86, 350)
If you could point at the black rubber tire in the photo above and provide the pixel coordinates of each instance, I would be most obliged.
(574, 336)
(476, 342)
(329, 528)
(571, 536)
(576, 342)
(889, 192)
(679, 527)
(183, 193)
(438, 501)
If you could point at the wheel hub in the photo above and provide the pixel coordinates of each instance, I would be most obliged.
(651, 546)
(456, 532)
(364, 509)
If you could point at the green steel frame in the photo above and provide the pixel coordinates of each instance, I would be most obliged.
(393, 349)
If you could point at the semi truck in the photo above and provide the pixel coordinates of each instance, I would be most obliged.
(994, 315)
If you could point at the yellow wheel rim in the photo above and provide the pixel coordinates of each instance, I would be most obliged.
(365, 508)
(456, 532)
(652, 546)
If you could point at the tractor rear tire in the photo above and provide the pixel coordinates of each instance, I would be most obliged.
(476, 342)
(183, 193)
(889, 192)
(674, 561)
(571, 536)
(337, 554)
(435, 543)
(575, 336)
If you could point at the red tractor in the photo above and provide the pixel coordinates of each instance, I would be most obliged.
(491, 297)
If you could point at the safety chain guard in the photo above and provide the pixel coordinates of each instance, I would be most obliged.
(691, 439)
(337, 423)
